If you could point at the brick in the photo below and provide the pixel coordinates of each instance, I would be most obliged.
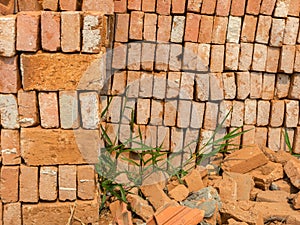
(178, 6)
(250, 111)
(290, 133)
(287, 58)
(253, 7)
(203, 57)
(296, 201)
(9, 184)
(272, 196)
(244, 160)
(281, 8)
(86, 182)
(234, 29)
(146, 85)
(29, 184)
(173, 85)
(114, 110)
(238, 7)
(261, 136)
(28, 110)
(263, 29)
(194, 180)
(177, 29)
(206, 28)
(225, 113)
(120, 213)
(163, 7)
(291, 31)
(51, 5)
(31, 5)
(277, 31)
(192, 27)
(12, 214)
(243, 84)
(60, 146)
(148, 54)
(272, 59)
(163, 137)
(150, 22)
(295, 87)
(297, 59)
(245, 60)
(238, 110)
(291, 168)
(183, 113)
(134, 4)
(134, 56)
(68, 110)
(9, 75)
(50, 29)
(48, 183)
(136, 25)
(179, 193)
(268, 86)
(190, 56)
(249, 28)
(197, 114)
(259, 57)
(128, 108)
(216, 86)
(202, 87)
(170, 110)
(277, 113)
(140, 206)
(248, 137)
(274, 135)
(103, 7)
(119, 83)
(229, 85)
(68, 5)
(219, 30)
(208, 7)
(10, 147)
(157, 109)
(59, 212)
(7, 35)
(164, 28)
(176, 146)
(295, 140)
(148, 5)
(194, 5)
(48, 104)
(232, 56)
(263, 112)
(28, 31)
(9, 111)
(67, 182)
(186, 86)
(143, 111)
(292, 113)
(217, 58)
(7, 7)
(294, 8)
(119, 56)
(211, 116)
(133, 78)
(282, 85)
(256, 85)
(267, 7)
(70, 31)
(120, 6)
(175, 58)
(223, 7)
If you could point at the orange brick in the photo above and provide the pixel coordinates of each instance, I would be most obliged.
(292, 113)
(250, 111)
(246, 53)
(101, 6)
(259, 57)
(291, 31)
(157, 109)
(277, 31)
(256, 85)
(134, 4)
(162, 56)
(7, 8)
(274, 135)
(12, 214)
(51, 5)
(90, 110)
(120, 6)
(261, 136)
(267, 7)
(159, 85)
(67, 183)
(28, 31)
(163, 7)
(148, 54)
(164, 28)
(229, 85)
(194, 5)
(8, 35)
(272, 59)
(86, 182)
(297, 59)
(183, 114)
(211, 116)
(238, 7)
(143, 111)
(263, 111)
(148, 5)
(174, 59)
(9, 184)
(223, 7)
(249, 28)
(217, 58)
(173, 84)
(202, 86)
(178, 6)
(10, 147)
(294, 7)
(253, 7)
(287, 59)
(170, 113)
(122, 27)
(68, 5)
(28, 111)
(206, 27)
(208, 6)
(134, 56)
(282, 85)
(9, 75)
(190, 56)
(49, 110)
(70, 31)
(29, 5)
(150, 22)
(136, 25)
(281, 8)
(203, 57)
(48, 183)
(268, 86)
(50, 28)
(219, 30)
(192, 27)
(197, 114)
(29, 184)
(295, 87)
(263, 29)
(216, 86)
(243, 84)
(119, 56)
(232, 56)
(277, 113)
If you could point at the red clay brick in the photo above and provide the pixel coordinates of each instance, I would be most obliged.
(238, 7)
(183, 114)
(253, 7)
(178, 6)
(190, 56)
(287, 59)
(223, 7)
(48, 183)
(9, 183)
(148, 5)
(217, 58)
(277, 31)
(164, 28)
(67, 182)
(122, 27)
(162, 56)
(203, 57)
(256, 85)
(49, 110)
(68, 5)
(229, 85)
(272, 59)
(174, 59)
(170, 113)
(211, 116)
(29, 184)
(150, 22)
(177, 29)
(297, 59)
(51, 5)
(28, 110)
(267, 7)
(134, 56)
(246, 53)
(119, 56)
(9, 75)
(89, 109)
(294, 7)
(263, 111)
(292, 113)
(249, 28)
(50, 28)
(70, 31)
(243, 84)
(136, 25)
(29, 5)
(263, 29)
(10, 147)
(259, 57)
(202, 86)
(282, 85)
(28, 31)
(120, 6)
(208, 6)
(163, 7)
(219, 30)
(12, 214)
(101, 6)
(86, 182)
(134, 4)
(232, 56)
(7, 35)
(291, 31)
(268, 86)
(192, 27)
(277, 113)
(159, 85)
(206, 27)
(148, 54)
(194, 5)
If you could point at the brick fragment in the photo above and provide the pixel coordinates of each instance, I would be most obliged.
(217, 58)
(121, 6)
(292, 170)
(86, 182)
(253, 7)
(291, 31)
(268, 86)
(68, 5)
(263, 113)
(150, 22)
(208, 7)
(238, 7)
(10, 147)
(287, 59)
(232, 56)
(29, 184)
(263, 29)
(277, 32)
(219, 30)
(48, 183)
(234, 29)
(9, 184)
(295, 87)
(9, 75)
(223, 7)
(51, 5)
(259, 57)
(291, 113)
(163, 7)
(179, 193)
(12, 214)
(136, 25)
(103, 7)
(164, 28)
(177, 29)
(277, 113)
(9, 111)
(28, 31)
(49, 109)
(50, 29)
(267, 7)
(238, 110)
(229, 85)
(7, 35)
(282, 85)
(272, 59)
(70, 31)
(140, 206)
(243, 84)
(245, 59)
(281, 8)
(249, 28)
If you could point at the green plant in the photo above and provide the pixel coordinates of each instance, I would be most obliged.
(288, 143)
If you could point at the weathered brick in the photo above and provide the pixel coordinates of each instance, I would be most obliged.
(133, 78)
(234, 29)
(170, 110)
(103, 7)
(163, 7)
(274, 135)
(238, 110)
(7, 8)
(282, 8)
(9, 111)
(202, 86)
(134, 56)
(250, 111)
(143, 111)
(256, 85)
(229, 85)
(295, 87)
(50, 29)
(267, 7)
(114, 109)
(183, 113)
(268, 86)
(238, 7)
(219, 30)
(9, 75)
(232, 56)
(263, 113)
(119, 83)
(186, 86)
(29, 5)
(51, 5)
(190, 56)
(246, 53)
(259, 57)
(7, 35)
(10, 147)
(216, 86)
(29, 184)
(67, 183)
(287, 59)
(68, 109)
(134, 4)
(148, 5)
(173, 85)
(197, 114)
(261, 136)
(249, 28)
(203, 57)
(148, 54)
(128, 109)
(150, 22)
(157, 110)
(297, 59)
(176, 146)
(9, 184)
(243, 84)
(194, 5)
(225, 113)
(136, 25)
(277, 31)
(28, 110)
(208, 6)
(48, 183)
(206, 28)
(69, 5)
(140, 206)
(291, 31)
(12, 214)
(164, 28)
(272, 59)
(48, 104)
(211, 116)
(70, 31)
(177, 29)
(248, 137)
(291, 113)
(277, 113)
(162, 56)
(175, 57)
(217, 58)
(282, 85)
(253, 7)
(146, 85)
(263, 29)
(223, 7)
(28, 31)
(121, 6)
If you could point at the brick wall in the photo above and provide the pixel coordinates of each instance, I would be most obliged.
(180, 65)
